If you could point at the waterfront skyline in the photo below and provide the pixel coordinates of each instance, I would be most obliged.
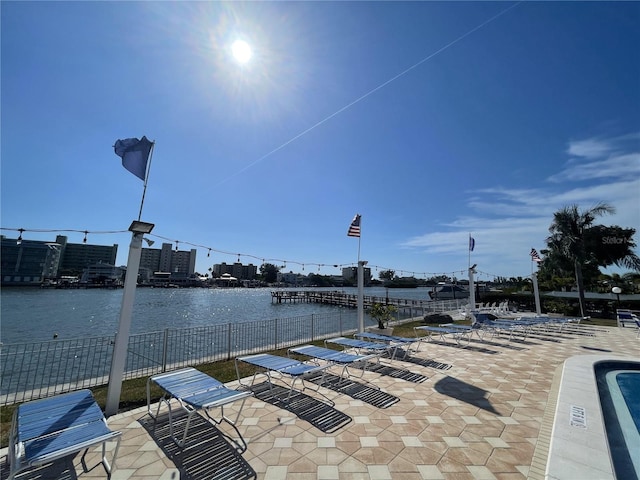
(434, 121)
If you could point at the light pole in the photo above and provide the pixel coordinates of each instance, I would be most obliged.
(116, 374)
(617, 291)
(472, 287)
(360, 299)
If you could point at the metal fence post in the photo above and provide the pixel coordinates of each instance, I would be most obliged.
(275, 330)
(312, 327)
(165, 348)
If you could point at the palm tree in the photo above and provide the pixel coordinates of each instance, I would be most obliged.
(568, 235)
(631, 279)
(613, 245)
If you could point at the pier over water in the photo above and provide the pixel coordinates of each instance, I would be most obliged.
(341, 299)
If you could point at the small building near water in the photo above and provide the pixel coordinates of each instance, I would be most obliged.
(226, 280)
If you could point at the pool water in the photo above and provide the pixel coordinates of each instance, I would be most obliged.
(619, 391)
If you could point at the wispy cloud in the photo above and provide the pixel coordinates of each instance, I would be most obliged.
(598, 147)
(590, 148)
(598, 158)
(507, 222)
(614, 166)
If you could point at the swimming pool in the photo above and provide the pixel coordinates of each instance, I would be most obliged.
(596, 420)
(619, 391)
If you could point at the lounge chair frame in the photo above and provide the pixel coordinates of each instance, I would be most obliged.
(362, 347)
(498, 326)
(466, 329)
(335, 357)
(48, 429)
(194, 391)
(274, 365)
(392, 340)
(458, 334)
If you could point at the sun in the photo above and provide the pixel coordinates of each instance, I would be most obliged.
(241, 51)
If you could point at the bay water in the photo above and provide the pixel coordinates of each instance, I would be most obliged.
(37, 315)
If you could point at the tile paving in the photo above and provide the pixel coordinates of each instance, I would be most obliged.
(485, 418)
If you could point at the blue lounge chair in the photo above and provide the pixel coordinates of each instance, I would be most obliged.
(394, 340)
(363, 347)
(46, 430)
(282, 366)
(502, 326)
(547, 324)
(625, 316)
(194, 391)
(334, 357)
(466, 329)
(458, 334)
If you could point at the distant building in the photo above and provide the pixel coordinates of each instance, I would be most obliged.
(28, 262)
(75, 257)
(31, 262)
(179, 263)
(351, 274)
(103, 274)
(237, 270)
(291, 278)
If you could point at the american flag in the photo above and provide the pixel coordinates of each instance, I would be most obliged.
(534, 256)
(354, 228)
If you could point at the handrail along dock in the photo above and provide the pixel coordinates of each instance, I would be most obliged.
(348, 300)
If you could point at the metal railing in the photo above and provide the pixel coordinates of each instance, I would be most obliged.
(34, 370)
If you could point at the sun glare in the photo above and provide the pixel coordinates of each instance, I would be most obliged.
(241, 51)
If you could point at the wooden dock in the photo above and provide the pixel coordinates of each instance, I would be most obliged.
(340, 299)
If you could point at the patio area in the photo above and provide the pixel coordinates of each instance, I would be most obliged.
(482, 411)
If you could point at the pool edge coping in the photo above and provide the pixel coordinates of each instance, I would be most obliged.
(582, 451)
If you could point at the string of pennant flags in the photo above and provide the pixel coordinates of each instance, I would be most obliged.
(280, 261)
(136, 157)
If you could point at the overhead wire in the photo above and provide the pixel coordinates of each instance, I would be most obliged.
(264, 259)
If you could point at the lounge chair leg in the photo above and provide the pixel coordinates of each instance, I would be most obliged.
(108, 467)
(239, 442)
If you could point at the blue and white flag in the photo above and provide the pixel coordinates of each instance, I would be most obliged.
(472, 243)
(134, 154)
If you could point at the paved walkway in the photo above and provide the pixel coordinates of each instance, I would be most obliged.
(479, 414)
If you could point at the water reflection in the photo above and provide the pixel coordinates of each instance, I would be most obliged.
(34, 315)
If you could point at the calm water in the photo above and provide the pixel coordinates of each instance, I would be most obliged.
(619, 390)
(34, 315)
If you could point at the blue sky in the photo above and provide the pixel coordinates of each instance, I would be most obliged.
(433, 120)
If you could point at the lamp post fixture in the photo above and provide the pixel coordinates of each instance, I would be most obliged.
(617, 291)
(472, 287)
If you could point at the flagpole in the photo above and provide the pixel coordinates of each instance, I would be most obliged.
(360, 278)
(471, 270)
(536, 293)
(146, 177)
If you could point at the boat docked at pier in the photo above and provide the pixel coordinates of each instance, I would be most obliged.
(448, 291)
